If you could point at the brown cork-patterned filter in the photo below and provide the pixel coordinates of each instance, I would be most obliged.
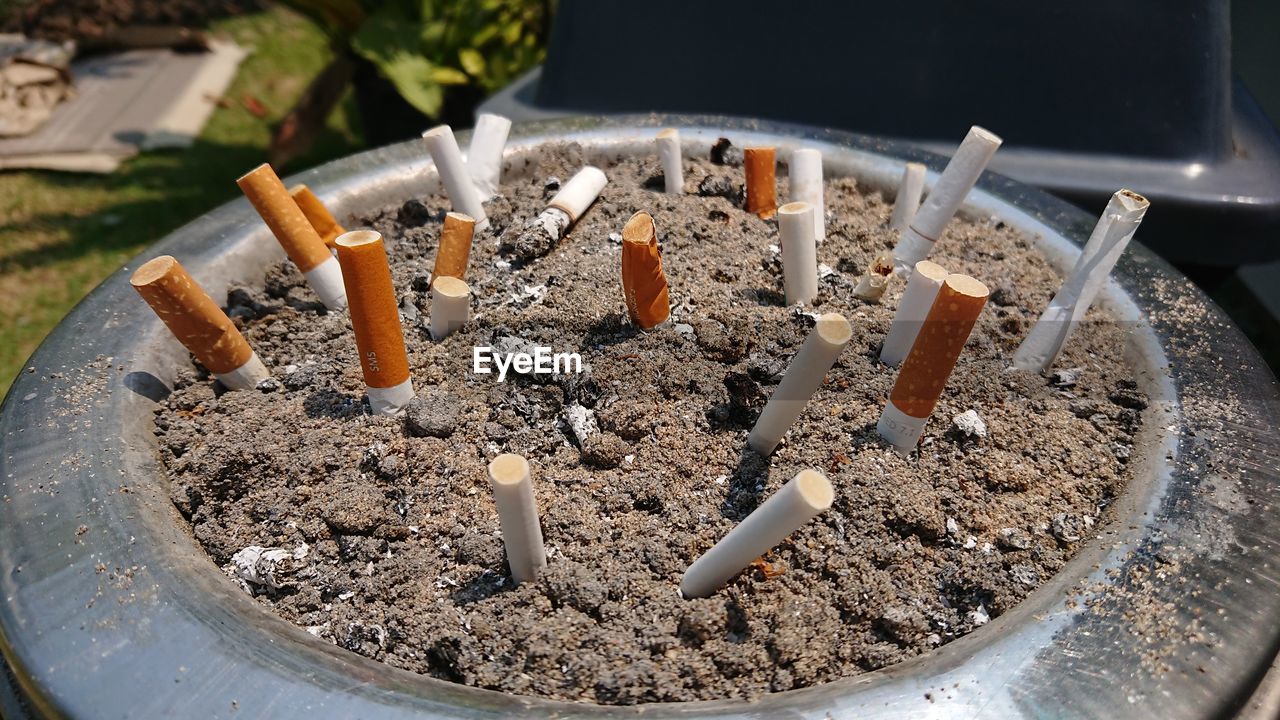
(375, 316)
(644, 285)
(323, 221)
(455, 246)
(946, 329)
(193, 317)
(762, 192)
(300, 241)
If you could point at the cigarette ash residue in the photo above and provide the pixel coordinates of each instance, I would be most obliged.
(640, 462)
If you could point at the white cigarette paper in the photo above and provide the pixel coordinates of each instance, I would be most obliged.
(578, 194)
(959, 177)
(245, 377)
(484, 156)
(799, 252)
(453, 174)
(1110, 236)
(669, 154)
(922, 288)
(805, 173)
(325, 280)
(803, 377)
(518, 515)
(803, 498)
(390, 400)
(910, 188)
(450, 306)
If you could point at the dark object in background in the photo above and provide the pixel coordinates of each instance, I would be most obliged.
(89, 22)
(1088, 97)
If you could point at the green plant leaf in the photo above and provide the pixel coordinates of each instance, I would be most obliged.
(413, 77)
(472, 61)
(448, 76)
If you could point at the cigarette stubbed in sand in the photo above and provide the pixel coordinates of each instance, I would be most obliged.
(518, 515)
(295, 233)
(644, 285)
(540, 235)
(957, 179)
(484, 157)
(799, 254)
(933, 356)
(803, 377)
(375, 318)
(198, 323)
(922, 288)
(762, 186)
(1110, 236)
(450, 306)
(455, 246)
(907, 202)
(669, 155)
(802, 499)
(805, 172)
(323, 221)
(457, 182)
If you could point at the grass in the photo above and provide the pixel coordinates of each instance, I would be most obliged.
(62, 233)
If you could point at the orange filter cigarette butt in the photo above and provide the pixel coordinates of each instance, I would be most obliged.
(375, 318)
(322, 221)
(455, 246)
(294, 232)
(198, 323)
(644, 285)
(932, 357)
(762, 192)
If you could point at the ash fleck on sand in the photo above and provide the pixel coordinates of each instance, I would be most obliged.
(640, 462)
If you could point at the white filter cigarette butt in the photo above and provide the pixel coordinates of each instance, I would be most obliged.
(953, 186)
(518, 515)
(484, 156)
(799, 252)
(1110, 237)
(669, 155)
(450, 306)
(875, 281)
(805, 172)
(803, 498)
(540, 235)
(457, 182)
(907, 202)
(803, 377)
(914, 306)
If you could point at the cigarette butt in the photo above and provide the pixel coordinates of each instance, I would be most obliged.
(450, 306)
(578, 194)
(198, 323)
(952, 187)
(907, 202)
(644, 285)
(803, 498)
(455, 246)
(762, 190)
(922, 288)
(1116, 227)
(672, 166)
(805, 173)
(375, 318)
(325, 224)
(484, 156)
(518, 516)
(933, 356)
(294, 232)
(803, 378)
(799, 254)
(457, 182)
